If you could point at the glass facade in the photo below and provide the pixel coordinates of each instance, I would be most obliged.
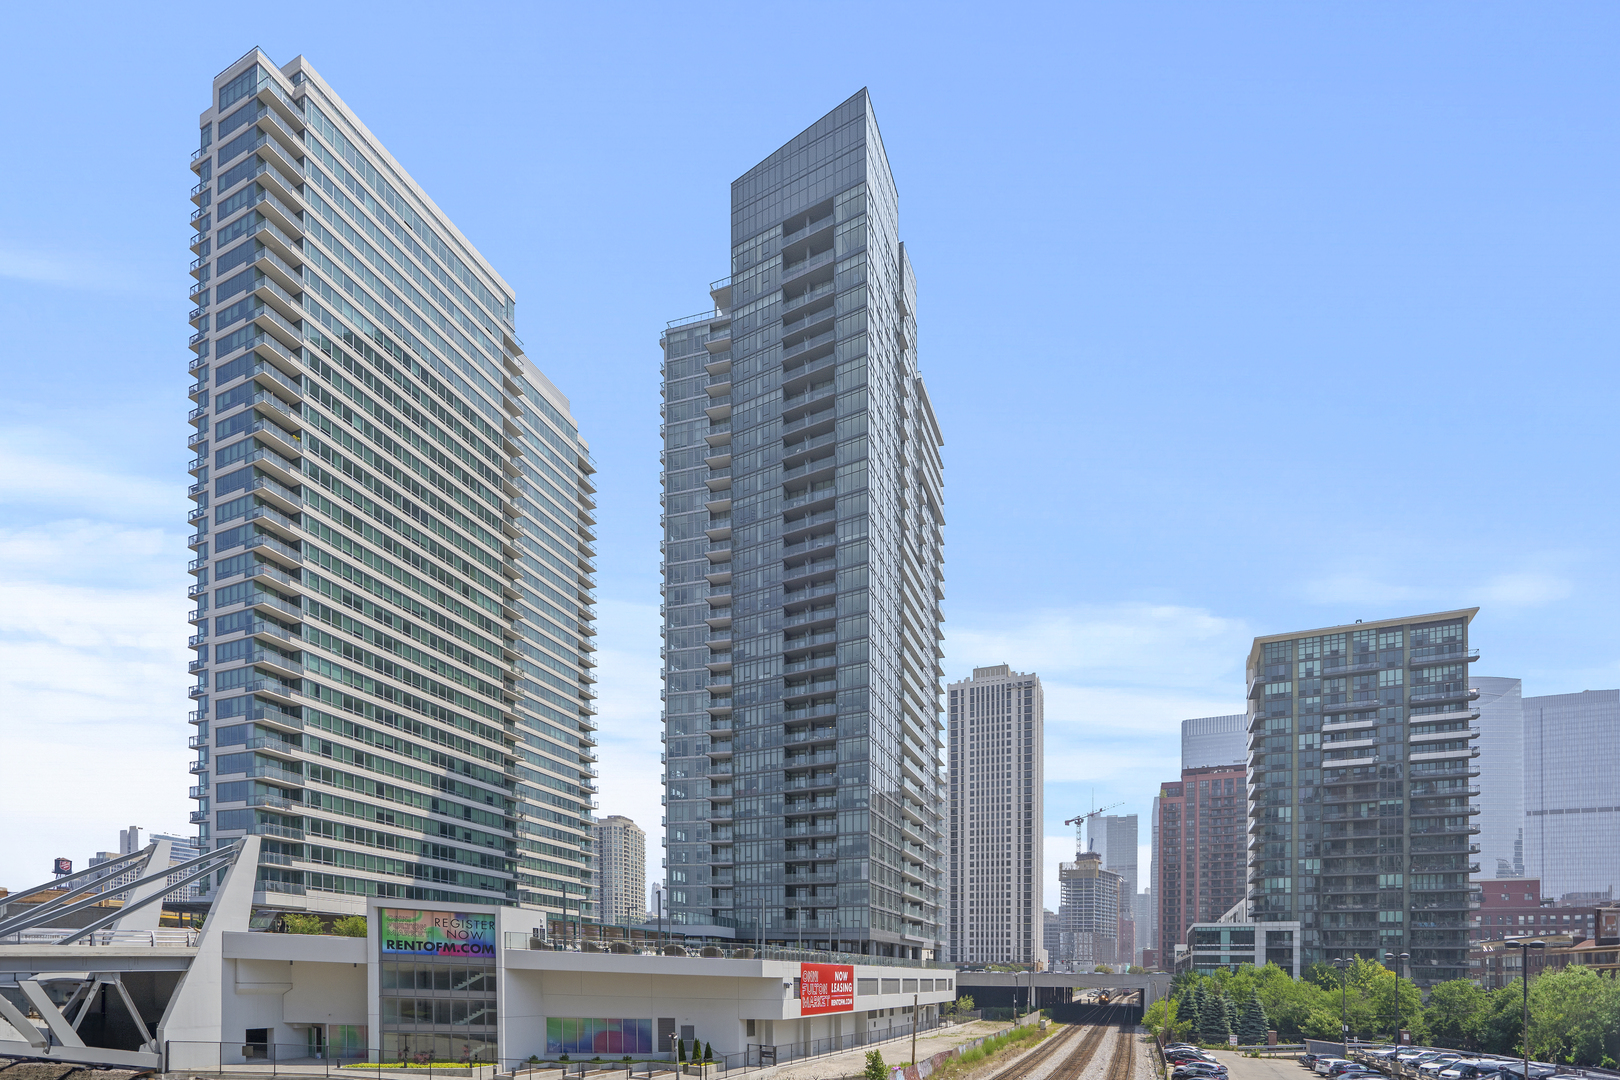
(392, 515)
(1572, 792)
(1362, 786)
(802, 570)
(1501, 771)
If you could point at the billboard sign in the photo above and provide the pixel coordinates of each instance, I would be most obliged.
(64, 867)
(406, 932)
(826, 988)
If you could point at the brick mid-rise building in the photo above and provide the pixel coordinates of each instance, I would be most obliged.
(1200, 850)
(1514, 907)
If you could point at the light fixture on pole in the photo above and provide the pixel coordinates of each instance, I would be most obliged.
(1524, 948)
(1343, 964)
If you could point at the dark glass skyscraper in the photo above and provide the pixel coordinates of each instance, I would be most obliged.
(802, 569)
(1361, 789)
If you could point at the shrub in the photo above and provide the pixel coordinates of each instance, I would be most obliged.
(294, 923)
(875, 1069)
(350, 926)
(708, 1052)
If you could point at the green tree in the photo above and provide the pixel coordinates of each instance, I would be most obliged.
(1500, 1022)
(708, 1052)
(350, 926)
(294, 923)
(1253, 1026)
(875, 1069)
(1214, 1025)
(1288, 1001)
(680, 1051)
(1162, 1019)
(1575, 1017)
(1454, 1013)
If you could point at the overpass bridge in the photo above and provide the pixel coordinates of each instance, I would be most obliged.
(1152, 987)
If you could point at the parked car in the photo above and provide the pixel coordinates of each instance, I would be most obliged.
(1347, 1066)
(1323, 1064)
(1434, 1065)
(1199, 1071)
(1539, 1070)
(1469, 1069)
(1307, 1061)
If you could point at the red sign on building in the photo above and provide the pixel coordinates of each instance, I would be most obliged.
(826, 988)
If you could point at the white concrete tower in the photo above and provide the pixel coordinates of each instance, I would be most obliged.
(621, 869)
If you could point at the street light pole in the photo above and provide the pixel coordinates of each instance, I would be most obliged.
(1343, 965)
(914, 1019)
(1524, 948)
(1405, 956)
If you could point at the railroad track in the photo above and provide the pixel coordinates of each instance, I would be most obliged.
(1122, 1066)
(1074, 1048)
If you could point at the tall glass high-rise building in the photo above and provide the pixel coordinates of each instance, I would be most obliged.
(393, 532)
(1501, 773)
(802, 568)
(1361, 789)
(1572, 792)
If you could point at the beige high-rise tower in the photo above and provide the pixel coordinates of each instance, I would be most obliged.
(621, 869)
(996, 723)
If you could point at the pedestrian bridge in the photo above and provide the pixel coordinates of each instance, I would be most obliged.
(1152, 986)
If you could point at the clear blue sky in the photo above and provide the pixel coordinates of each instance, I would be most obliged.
(1238, 318)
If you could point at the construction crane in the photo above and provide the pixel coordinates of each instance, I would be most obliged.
(1092, 813)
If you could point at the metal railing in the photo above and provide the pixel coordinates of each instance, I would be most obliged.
(162, 938)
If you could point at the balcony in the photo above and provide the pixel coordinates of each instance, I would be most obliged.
(1443, 736)
(814, 292)
(824, 492)
(1439, 695)
(792, 272)
(807, 344)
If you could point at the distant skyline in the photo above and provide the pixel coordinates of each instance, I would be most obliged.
(1237, 319)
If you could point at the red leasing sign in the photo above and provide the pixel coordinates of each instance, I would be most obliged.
(826, 988)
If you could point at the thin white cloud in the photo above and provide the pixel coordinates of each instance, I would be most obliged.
(1120, 644)
(84, 551)
(1379, 599)
(92, 687)
(1363, 590)
(1527, 589)
(40, 469)
(96, 271)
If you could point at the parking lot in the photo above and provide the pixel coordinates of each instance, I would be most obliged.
(1244, 1068)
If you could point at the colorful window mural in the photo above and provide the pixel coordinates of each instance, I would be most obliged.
(570, 1035)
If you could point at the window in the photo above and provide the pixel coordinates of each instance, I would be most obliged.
(240, 87)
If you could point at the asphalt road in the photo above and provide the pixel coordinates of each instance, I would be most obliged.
(1244, 1068)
